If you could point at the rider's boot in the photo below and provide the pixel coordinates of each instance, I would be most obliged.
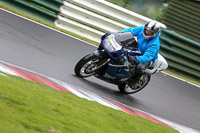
(134, 82)
(135, 78)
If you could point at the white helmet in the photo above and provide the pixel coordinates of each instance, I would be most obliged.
(151, 29)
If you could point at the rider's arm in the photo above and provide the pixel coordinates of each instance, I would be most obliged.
(148, 55)
(135, 31)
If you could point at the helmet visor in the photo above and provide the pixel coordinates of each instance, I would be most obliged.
(148, 32)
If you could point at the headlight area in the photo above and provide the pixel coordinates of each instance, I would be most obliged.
(110, 44)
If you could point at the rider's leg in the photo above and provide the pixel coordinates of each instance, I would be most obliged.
(139, 70)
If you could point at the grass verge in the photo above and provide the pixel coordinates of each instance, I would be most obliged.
(169, 71)
(29, 107)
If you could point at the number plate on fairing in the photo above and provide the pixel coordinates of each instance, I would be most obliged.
(114, 43)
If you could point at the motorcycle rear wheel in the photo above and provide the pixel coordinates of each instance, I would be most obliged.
(126, 89)
(86, 66)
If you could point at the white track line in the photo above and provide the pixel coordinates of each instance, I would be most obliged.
(181, 79)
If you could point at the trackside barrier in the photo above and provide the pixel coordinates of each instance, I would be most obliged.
(93, 18)
(51, 5)
(90, 18)
(31, 9)
(183, 16)
(82, 30)
(83, 15)
(113, 12)
(101, 16)
(182, 53)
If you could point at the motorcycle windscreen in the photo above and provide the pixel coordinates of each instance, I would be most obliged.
(126, 39)
(118, 71)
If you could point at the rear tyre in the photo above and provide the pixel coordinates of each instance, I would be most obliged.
(126, 89)
(86, 66)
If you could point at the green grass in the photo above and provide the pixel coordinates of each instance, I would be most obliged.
(29, 107)
(169, 71)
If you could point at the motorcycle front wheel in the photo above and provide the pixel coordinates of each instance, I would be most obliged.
(126, 89)
(86, 66)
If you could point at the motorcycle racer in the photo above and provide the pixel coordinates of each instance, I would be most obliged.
(148, 45)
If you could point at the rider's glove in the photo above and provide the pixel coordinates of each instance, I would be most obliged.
(132, 59)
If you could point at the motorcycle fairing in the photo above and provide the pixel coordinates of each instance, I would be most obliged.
(159, 65)
(118, 71)
(119, 51)
(115, 74)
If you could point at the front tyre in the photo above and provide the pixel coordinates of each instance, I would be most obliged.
(86, 66)
(126, 89)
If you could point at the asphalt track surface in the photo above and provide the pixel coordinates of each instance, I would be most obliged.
(42, 50)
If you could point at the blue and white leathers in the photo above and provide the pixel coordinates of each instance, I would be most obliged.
(149, 48)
